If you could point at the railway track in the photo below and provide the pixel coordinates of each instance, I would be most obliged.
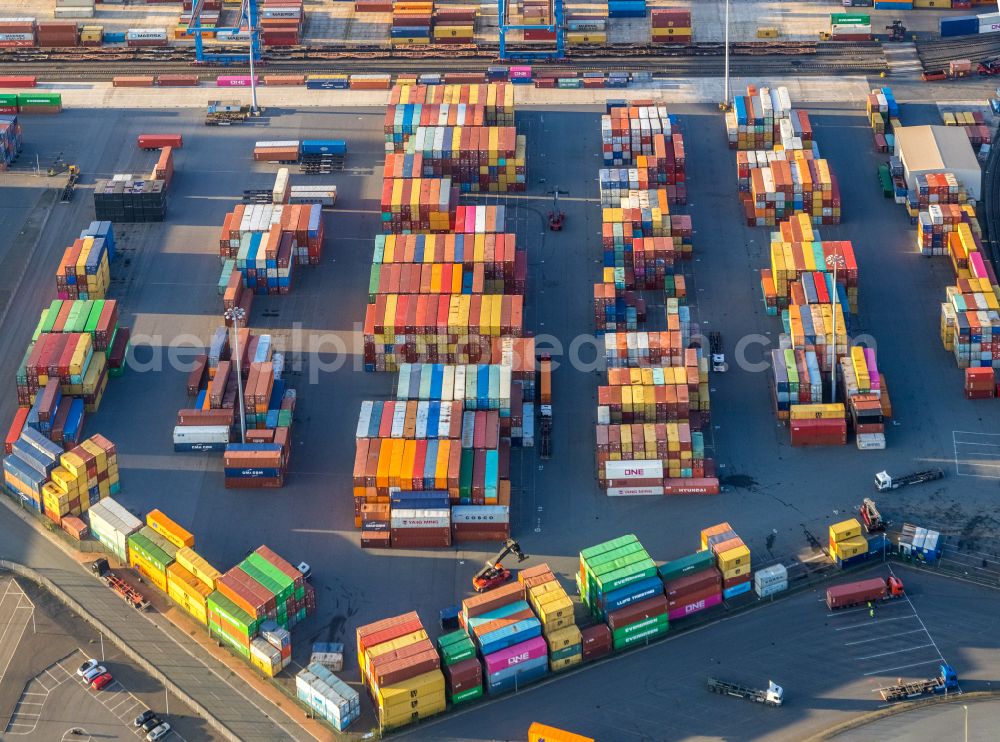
(936, 54)
(696, 60)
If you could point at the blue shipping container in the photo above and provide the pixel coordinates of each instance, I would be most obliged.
(965, 25)
(732, 592)
(324, 147)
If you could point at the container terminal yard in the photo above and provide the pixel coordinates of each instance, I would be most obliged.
(499, 373)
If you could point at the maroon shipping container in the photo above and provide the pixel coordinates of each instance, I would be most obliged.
(595, 641)
(463, 675)
(465, 533)
(158, 141)
(655, 606)
(410, 650)
(386, 630)
(197, 375)
(406, 668)
(177, 81)
(734, 581)
(690, 598)
(693, 583)
(854, 593)
(420, 538)
(818, 432)
(206, 417)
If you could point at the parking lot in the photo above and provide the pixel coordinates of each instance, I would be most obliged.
(41, 696)
(773, 494)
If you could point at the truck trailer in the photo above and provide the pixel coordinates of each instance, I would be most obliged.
(863, 591)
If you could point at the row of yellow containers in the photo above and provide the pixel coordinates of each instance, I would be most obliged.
(847, 540)
(453, 32)
(817, 411)
(190, 580)
(554, 609)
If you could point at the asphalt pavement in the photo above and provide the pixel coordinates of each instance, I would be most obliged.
(773, 495)
(162, 645)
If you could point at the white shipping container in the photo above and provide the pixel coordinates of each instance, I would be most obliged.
(146, 34)
(333, 660)
(276, 144)
(634, 491)
(201, 434)
(770, 589)
(420, 518)
(634, 469)
(772, 574)
(480, 514)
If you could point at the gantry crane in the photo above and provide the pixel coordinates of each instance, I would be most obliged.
(523, 54)
(249, 18)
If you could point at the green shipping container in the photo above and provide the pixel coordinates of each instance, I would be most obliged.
(455, 647)
(465, 475)
(648, 633)
(152, 549)
(850, 19)
(570, 651)
(640, 626)
(217, 631)
(627, 576)
(39, 99)
(8, 100)
(262, 579)
(467, 695)
(591, 551)
(688, 565)
(235, 617)
(95, 316)
(569, 82)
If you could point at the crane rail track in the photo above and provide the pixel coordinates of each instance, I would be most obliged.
(694, 60)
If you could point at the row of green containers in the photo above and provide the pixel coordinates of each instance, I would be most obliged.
(30, 102)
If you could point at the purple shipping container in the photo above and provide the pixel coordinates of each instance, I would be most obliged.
(519, 653)
(700, 605)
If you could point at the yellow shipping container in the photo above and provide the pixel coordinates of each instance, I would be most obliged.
(850, 547)
(553, 606)
(817, 412)
(391, 646)
(167, 528)
(426, 686)
(586, 37)
(565, 662)
(737, 571)
(198, 566)
(399, 716)
(562, 638)
(147, 570)
(187, 591)
(733, 558)
(845, 529)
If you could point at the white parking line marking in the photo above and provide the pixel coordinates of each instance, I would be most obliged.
(903, 667)
(898, 651)
(882, 638)
(873, 622)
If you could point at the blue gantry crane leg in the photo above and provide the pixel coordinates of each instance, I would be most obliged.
(522, 54)
(248, 17)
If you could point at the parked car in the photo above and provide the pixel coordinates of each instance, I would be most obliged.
(86, 667)
(93, 673)
(144, 717)
(102, 681)
(151, 724)
(159, 732)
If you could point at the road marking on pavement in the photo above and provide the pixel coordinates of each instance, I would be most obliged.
(873, 622)
(881, 638)
(976, 454)
(897, 651)
(864, 609)
(20, 613)
(904, 667)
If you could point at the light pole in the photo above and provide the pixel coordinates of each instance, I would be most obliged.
(725, 100)
(254, 110)
(834, 261)
(236, 315)
(966, 709)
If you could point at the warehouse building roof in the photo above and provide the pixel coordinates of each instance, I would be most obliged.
(928, 148)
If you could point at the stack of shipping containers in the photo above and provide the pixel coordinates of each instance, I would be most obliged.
(691, 584)
(653, 410)
(613, 582)
(329, 696)
(11, 138)
(445, 312)
(554, 609)
(811, 283)
(401, 670)
(112, 524)
(732, 558)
